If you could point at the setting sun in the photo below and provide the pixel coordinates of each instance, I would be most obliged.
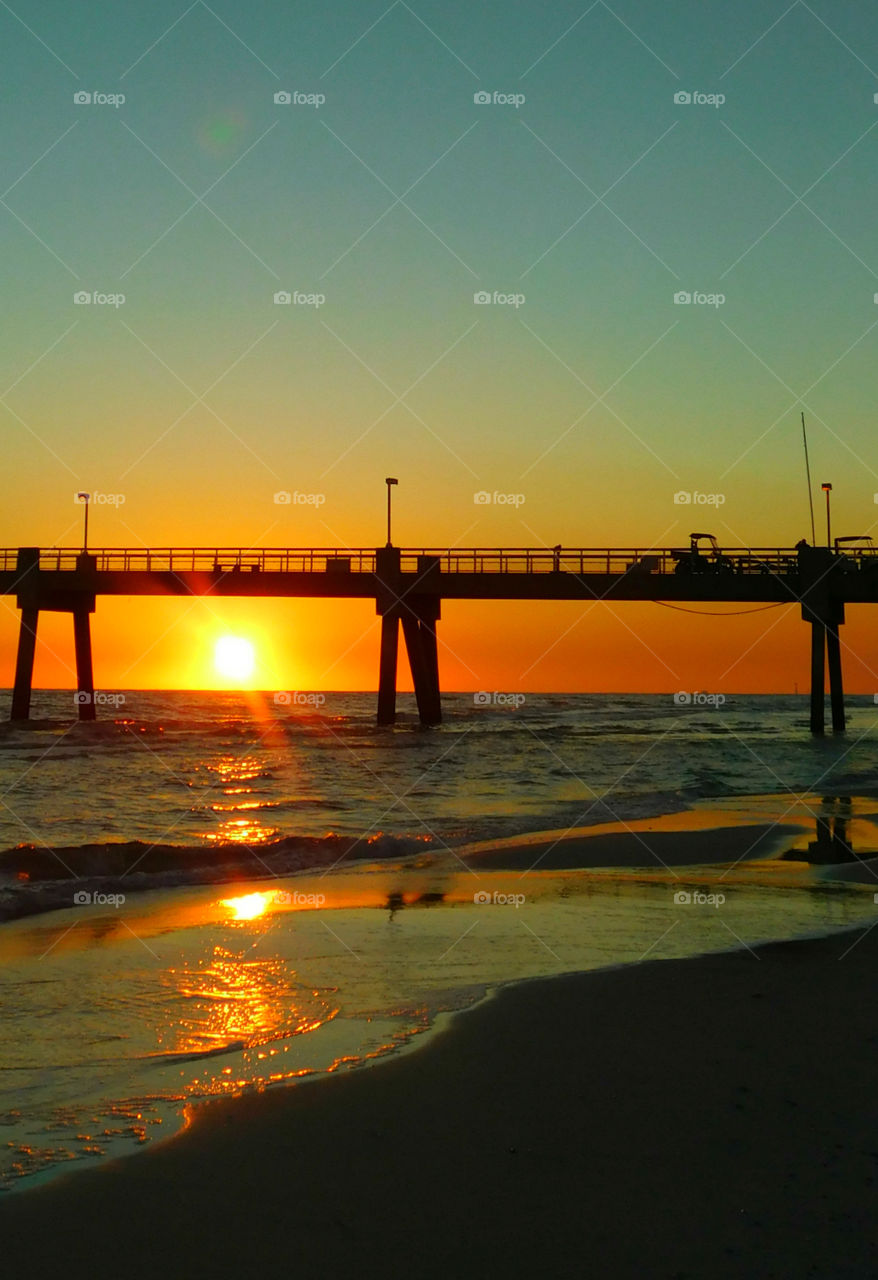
(234, 658)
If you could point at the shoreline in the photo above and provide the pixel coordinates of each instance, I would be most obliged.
(737, 835)
(678, 1117)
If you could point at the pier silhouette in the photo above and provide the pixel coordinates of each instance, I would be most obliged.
(408, 586)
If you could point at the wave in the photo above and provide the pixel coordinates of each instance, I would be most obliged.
(35, 880)
(195, 1055)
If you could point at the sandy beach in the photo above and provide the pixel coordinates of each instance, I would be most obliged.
(700, 1118)
(677, 840)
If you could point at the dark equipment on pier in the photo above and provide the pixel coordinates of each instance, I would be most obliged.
(692, 561)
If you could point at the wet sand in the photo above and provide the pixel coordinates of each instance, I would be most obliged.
(713, 1117)
(671, 840)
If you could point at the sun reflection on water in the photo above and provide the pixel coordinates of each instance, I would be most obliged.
(235, 777)
(249, 906)
(225, 1001)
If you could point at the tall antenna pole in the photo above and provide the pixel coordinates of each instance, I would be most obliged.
(808, 473)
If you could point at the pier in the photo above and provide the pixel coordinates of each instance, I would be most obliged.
(409, 585)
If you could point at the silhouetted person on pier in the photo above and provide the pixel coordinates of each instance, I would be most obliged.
(556, 558)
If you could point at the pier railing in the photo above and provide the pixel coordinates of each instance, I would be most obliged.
(459, 560)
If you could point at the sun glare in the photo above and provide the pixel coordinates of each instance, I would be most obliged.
(249, 906)
(234, 658)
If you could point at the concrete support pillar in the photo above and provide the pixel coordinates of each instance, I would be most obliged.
(818, 638)
(24, 664)
(430, 653)
(85, 685)
(419, 629)
(387, 668)
(836, 688)
(411, 630)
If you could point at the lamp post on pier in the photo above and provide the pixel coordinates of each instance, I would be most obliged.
(390, 481)
(84, 497)
(827, 489)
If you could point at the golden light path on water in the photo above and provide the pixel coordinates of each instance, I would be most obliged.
(232, 999)
(236, 778)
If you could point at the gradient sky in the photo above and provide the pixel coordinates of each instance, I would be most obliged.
(597, 198)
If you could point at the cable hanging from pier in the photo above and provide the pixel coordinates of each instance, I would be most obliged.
(722, 613)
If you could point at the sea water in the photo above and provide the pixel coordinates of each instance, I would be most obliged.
(343, 921)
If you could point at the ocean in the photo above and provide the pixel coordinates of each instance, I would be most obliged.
(203, 893)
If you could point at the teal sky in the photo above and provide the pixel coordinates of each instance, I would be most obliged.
(597, 198)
